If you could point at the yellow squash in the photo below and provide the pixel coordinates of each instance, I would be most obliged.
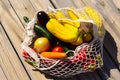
(68, 34)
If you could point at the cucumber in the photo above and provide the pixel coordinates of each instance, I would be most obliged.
(43, 31)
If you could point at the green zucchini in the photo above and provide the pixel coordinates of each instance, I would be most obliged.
(43, 31)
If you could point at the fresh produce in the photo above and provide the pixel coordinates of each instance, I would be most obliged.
(70, 54)
(43, 31)
(91, 64)
(43, 18)
(92, 67)
(96, 18)
(25, 54)
(62, 18)
(31, 62)
(70, 27)
(53, 55)
(59, 15)
(56, 26)
(87, 27)
(67, 21)
(41, 44)
(73, 16)
(26, 19)
(57, 49)
(51, 15)
(63, 33)
(87, 37)
(64, 40)
(83, 16)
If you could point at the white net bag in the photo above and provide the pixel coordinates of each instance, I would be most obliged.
(87, 56)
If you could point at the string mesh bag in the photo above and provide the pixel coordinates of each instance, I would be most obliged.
(87, 56)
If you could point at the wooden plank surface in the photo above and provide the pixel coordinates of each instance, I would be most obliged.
(12, 28)
(41, 5)
(2, 74)
(9, 61)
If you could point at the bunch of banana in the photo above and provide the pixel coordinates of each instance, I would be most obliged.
(96, 18)
(72, 20)
(51, 15)
(59, 15)
(68, 34)
(74, 16)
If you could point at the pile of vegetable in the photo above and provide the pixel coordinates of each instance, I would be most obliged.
(65, 41)
(57, 32)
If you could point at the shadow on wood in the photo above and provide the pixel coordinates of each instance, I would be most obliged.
(109, 54)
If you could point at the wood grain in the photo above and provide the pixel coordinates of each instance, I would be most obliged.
(12, 30)
(2, 74)
(10, 62)
(11, 21)
(41, 5)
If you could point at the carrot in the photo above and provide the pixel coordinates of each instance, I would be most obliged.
(53, 55)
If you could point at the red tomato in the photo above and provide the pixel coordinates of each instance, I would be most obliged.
(57, 49)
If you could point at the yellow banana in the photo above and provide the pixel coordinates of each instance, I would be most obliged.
(66, 21)
(83, 16)
(63, 19)
(70, 27)
(61, 32)
(73, 16)
(79, 40)
(96, 18)
(59, 15)
(52, 15)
